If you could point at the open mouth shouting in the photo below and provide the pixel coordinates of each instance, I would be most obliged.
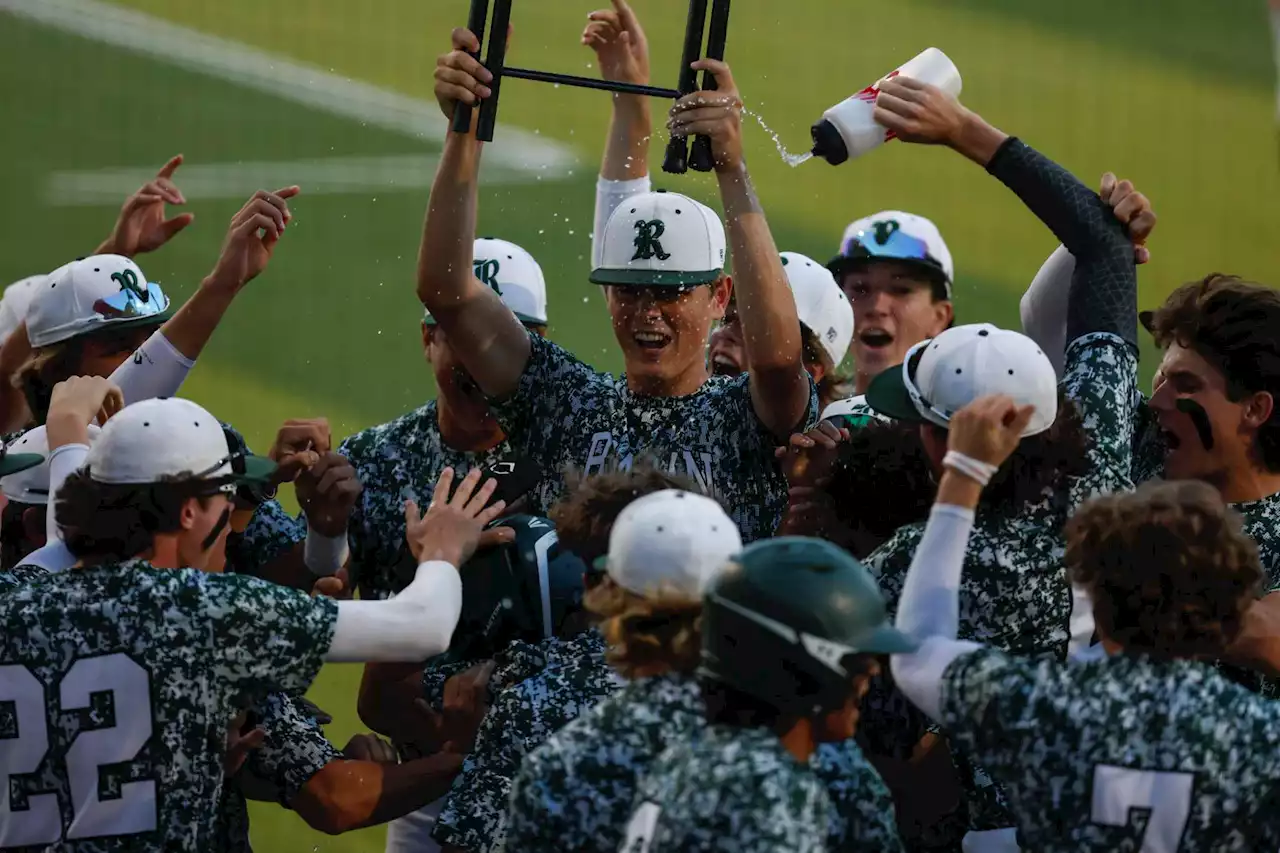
(875, 339)
(651, 342)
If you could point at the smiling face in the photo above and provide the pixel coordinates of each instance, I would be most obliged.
(1231, 425)
(894, 309)
(727, 352)
(663, 333)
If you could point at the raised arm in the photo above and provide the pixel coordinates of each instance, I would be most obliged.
(781, 390)
(493, 345)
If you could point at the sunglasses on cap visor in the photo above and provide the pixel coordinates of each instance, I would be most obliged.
(133, 301)
(897, 245)
(909, 365)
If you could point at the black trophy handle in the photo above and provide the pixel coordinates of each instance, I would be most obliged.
(676, 161)
(494, 61)
(701, 158)
(475, 22)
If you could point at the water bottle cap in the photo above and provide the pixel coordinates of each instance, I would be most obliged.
(828, 143)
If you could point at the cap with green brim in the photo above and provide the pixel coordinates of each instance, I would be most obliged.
(887, 395)
(97, 294)
(12, 463)
(660, 239)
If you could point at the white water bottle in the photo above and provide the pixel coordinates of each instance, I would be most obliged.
(848, 130)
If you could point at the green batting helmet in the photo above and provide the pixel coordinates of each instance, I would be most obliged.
(783, 621)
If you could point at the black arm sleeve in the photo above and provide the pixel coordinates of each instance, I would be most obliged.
(1104, 287)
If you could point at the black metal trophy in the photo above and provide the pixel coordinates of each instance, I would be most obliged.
(679, 157)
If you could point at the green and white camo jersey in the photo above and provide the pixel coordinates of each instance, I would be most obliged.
(270, 534)
(567, 415)
(576, 791)
(295, 749)
(520, 720)
(728, 790)
(116, 686)
(20, 575)
(1123, 753)
(398, 461)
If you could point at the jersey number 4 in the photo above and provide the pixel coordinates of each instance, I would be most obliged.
(1164, 795)
(24, 750)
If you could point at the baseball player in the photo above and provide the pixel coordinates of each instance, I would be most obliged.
(790, 635)
(156, 484)
(1147, 747)
(661, 263)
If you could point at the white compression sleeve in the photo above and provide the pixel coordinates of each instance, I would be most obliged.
(609, 195)
(63, 462)
(155, 370)
(929, 609)
(1044, 306)
(415, 625)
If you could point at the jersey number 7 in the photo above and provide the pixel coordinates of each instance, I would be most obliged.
(1164, 795)
(23, 751)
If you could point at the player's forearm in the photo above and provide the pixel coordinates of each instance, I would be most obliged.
(159, 367)
(930, 603)
(191, 327)
(626, 152)
(1044, 306)
(415, 625)
(770, 324)
(348, 795)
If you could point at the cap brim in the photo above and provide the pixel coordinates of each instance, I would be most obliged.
(257, 470)
(887, 640)
(841, 264)
(1147, 319)
(888, 395)
(654, 278)
(523, 318)
(12, 463)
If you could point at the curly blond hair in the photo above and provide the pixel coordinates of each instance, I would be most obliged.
(647, 635)
(1168, 568)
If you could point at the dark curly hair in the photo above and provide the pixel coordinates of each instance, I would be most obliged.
(106, 522)
(1168, 568)
(1235, 326)
(882, 480)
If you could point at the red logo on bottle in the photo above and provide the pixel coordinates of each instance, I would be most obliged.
(869, 94)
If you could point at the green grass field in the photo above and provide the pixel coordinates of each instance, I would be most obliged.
(1176, 94)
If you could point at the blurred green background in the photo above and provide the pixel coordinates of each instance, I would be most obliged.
(1177, 95)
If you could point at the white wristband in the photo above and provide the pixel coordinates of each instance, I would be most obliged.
(975, 469)
(324, 555)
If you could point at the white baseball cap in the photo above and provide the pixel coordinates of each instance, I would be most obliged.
(153, 440)
(514, 275)
(91, 294)
(672, 541)
(895, 235)
(32, 485)
(15, 302)
(941, 376)
(821, 304)
(661, 239)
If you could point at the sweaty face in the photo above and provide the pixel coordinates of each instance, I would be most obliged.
(106, 351)
(1185, 375)
(727, 354)
(893, 310)
(663, 333)
(200, 520)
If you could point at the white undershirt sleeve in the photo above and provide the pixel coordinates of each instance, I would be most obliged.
(929, 609)
(1044, 306)
(63, 462)
(415, 625)
(609, 195)
(156, 369)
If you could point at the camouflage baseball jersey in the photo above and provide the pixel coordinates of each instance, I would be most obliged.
(576, 791)
(521, 719)
(1123, 753)
(20, 575)
(117, 683)
(729, 790)
(270, 534)
(569, 416)
(295, 749)
(397, 461)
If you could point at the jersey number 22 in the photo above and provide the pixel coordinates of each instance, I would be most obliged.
(41, 821)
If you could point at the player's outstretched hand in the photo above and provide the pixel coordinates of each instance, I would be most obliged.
(240, 743)
(251, 239)
(919, 112)
(451, 529)
(1133, 209)
(715, 114)
(622, 51)
(333, 586)
(298, 445)
(988, 429)
(808, 458)
(141, 226)
(327, 492)
(466, 701)
(460, 78)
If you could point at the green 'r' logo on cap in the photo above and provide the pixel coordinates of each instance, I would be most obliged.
(785, 260)
(128, 280)
(487, 272)
(885, 229)
(647, 245)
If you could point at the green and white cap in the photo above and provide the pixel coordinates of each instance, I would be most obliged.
(154, 440)
(31, 486)
(93, 293)
(661, 239)
(514, 275)
(821, 304)
(15, 302)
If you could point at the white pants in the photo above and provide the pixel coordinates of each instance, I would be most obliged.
(412, 833)
(989, 841)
